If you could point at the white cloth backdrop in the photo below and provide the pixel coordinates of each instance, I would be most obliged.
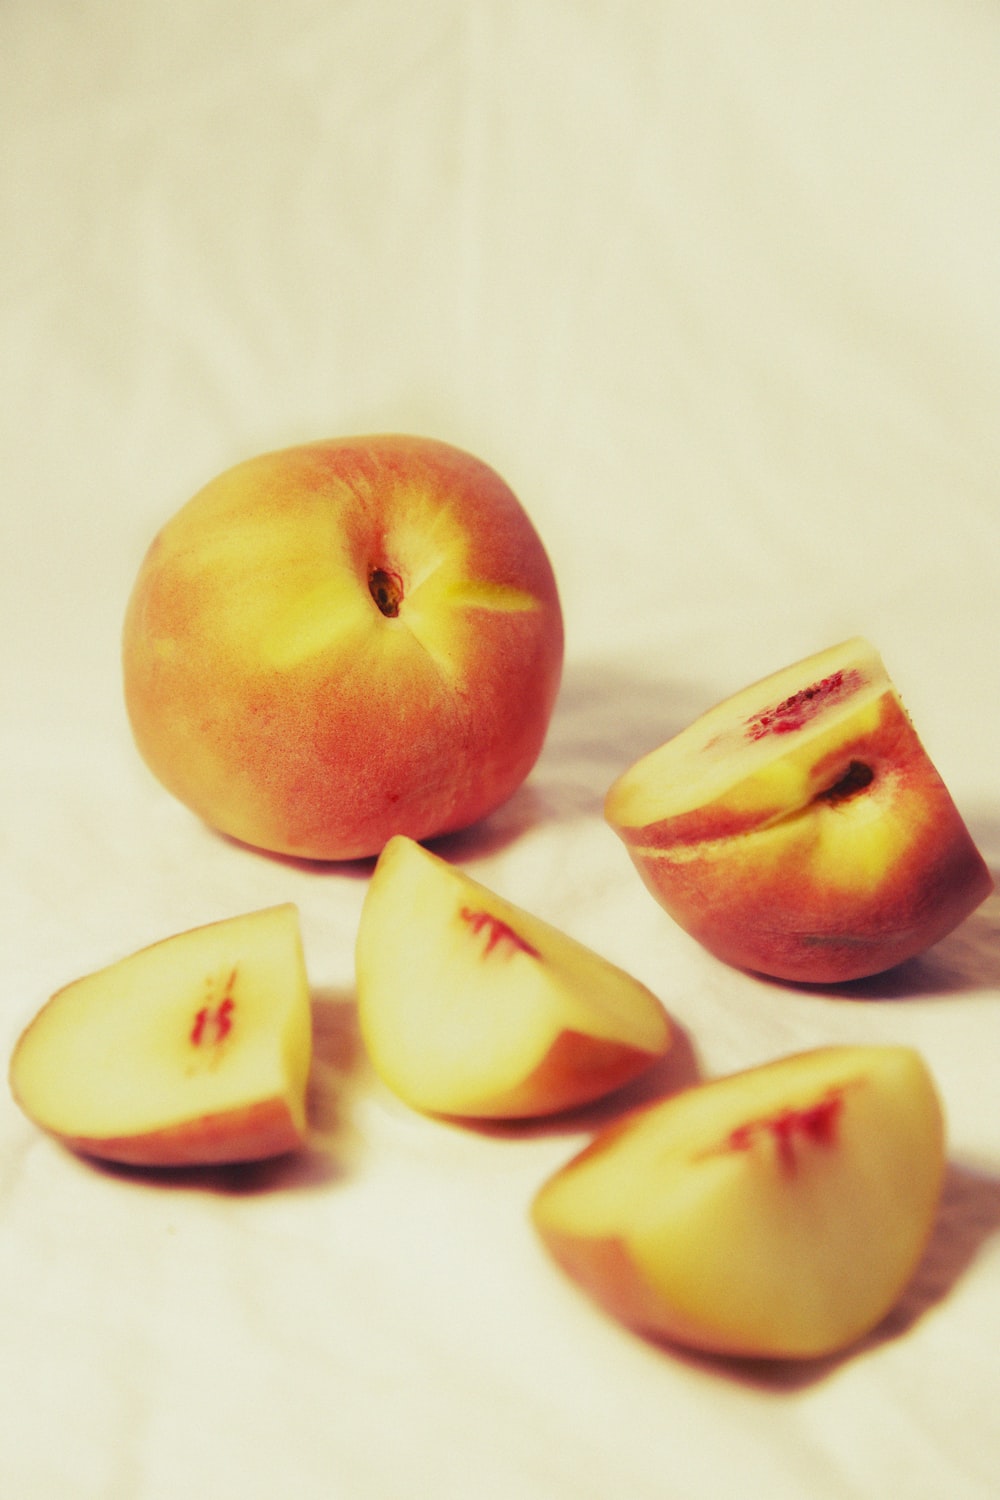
(716, 288)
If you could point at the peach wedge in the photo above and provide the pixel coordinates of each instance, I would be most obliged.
(195, 1050)
(775, 1213)
(799, 828)
(470, 1006)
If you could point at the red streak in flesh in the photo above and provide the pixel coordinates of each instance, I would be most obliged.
(213, 1023)
(497, 932)
(791, 1128)
(795, 712)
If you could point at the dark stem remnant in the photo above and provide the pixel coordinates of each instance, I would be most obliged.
(386, 588)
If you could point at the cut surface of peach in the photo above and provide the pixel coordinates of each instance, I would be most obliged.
(756, 752)
(469, 1005)
(800, 829)
(774, 1213)
(193, 1050)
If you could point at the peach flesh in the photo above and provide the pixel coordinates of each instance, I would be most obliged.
(472, 1007)
(193, 1050)
(776, 1213)
(816, 1124)
(796, 711)
(497, 932)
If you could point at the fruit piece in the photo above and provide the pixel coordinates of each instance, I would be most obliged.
(470, 1006)
(341, 641)
(799, 828)
(194, 1050)
(775, 1213)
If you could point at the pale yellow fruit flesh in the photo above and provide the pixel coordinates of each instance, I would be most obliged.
(195, 1049)
(758, 748)
(470, 1005)
(776, 1213)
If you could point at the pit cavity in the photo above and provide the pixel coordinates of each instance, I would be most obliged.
(857, 776)
(497, 932)
(790, 1129)
(796, 711)
(213, 1023)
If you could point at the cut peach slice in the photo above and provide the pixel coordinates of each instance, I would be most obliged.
(775, 1213)
(799, 829)
(470, 1006)
(194, 1050)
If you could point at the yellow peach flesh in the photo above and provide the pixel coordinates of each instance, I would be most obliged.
(195, 1049)
(749, 759)
(777, 1213)
(469, 1005)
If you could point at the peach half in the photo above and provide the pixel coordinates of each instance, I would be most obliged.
(470, 1006)
(195, 1050)
(775, 1213)
(341, 641)
(799, 829)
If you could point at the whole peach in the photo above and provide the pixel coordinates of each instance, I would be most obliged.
(341, 641)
